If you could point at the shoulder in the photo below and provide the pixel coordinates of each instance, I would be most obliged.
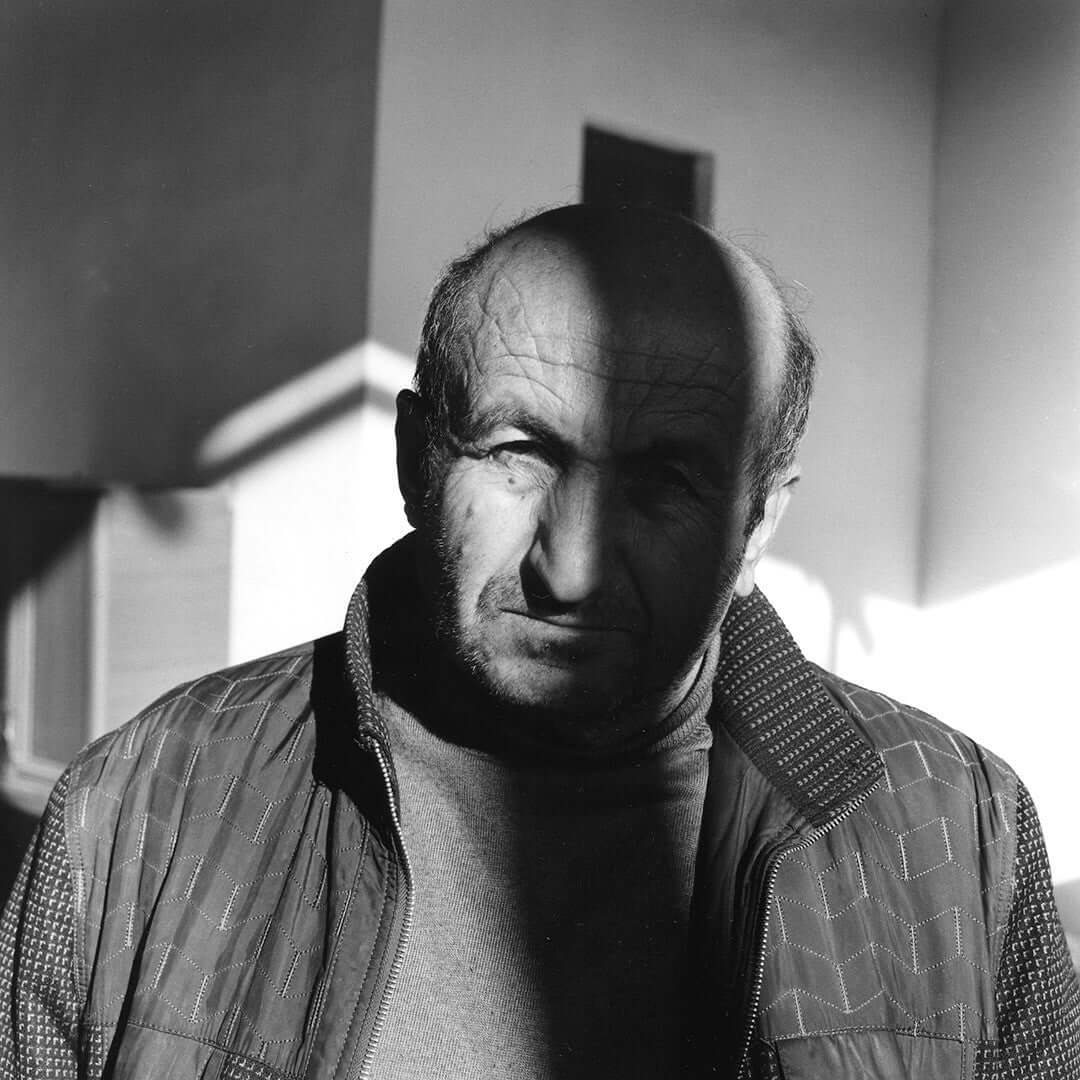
(907, 899)
(945, 812)
(920, 752)
(221, 764)
(175, 818)
(228, 721)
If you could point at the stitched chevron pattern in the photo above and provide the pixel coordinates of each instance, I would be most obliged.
(895, 917)
(202, 882)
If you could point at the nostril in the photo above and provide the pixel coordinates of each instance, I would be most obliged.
(536, 591)
(543, 595)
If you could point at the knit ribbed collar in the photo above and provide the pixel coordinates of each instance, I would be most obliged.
(769, 698)
(775, 706)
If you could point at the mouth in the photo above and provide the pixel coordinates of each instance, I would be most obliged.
(572, 625)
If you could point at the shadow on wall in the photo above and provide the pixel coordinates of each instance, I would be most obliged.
(1003, 478)
(187, 223)
(308, 404)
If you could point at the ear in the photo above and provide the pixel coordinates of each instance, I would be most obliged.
(763, 532)
(410, 431)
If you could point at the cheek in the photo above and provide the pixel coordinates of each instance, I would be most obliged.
(687, 563)
(484, 525)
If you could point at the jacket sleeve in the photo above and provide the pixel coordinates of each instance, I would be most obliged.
(39, 999)
(1037, 995)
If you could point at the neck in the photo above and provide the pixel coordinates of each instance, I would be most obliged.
(484, 722)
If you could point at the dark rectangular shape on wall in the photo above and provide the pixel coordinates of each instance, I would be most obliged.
(622, 171)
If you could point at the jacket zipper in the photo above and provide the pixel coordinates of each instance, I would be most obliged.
(406, 922)
(757, 985)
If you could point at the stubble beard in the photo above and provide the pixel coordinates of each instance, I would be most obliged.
(463, 645)
(459, 635)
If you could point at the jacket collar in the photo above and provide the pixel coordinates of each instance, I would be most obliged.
(773, 703)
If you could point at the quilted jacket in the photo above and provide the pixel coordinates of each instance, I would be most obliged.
(219, 888)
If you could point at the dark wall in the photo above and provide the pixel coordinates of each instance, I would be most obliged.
(184, 218)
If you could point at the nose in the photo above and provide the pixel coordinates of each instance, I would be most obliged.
(567, 561)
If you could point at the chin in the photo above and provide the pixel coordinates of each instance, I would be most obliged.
(533, 686)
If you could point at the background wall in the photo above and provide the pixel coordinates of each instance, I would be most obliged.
(1001, 565)
(184, 221)
(1003, 473)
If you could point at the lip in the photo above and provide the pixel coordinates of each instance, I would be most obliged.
(571, 626)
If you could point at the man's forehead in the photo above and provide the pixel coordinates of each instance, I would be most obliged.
(574, 371)
(620, 286)
(564, 321)
(525, 313)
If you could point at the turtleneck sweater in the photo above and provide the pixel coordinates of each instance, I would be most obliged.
(552, 896)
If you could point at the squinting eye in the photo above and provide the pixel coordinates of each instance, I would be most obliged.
(520, 454)
(661, 477)
(520, 448)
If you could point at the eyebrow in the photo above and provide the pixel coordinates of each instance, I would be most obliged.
(513, 416)
(673, 449)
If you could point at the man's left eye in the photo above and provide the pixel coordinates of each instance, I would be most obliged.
(662, 476)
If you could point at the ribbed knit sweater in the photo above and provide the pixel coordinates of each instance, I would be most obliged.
(552, 904)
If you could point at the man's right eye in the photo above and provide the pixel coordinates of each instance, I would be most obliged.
(522, 459)
(518, 448)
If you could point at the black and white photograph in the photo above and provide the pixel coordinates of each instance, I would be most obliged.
(539, 540)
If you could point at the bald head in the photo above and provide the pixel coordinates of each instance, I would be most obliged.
(637, 279)
(636, 270)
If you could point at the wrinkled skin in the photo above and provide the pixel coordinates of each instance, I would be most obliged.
(589, 524)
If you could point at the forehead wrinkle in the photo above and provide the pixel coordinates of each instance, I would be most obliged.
(719, 406)
(611, 320)
(505, 327)
(494, 311)
(488, 317)
(625, 427)
(518, 373)
(716, 374)
(615, 379)
(626, 398)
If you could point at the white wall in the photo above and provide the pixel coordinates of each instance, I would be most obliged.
(1003, 481)
(1002, 541)
(308, 519)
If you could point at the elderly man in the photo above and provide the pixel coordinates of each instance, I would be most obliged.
(563, 799)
